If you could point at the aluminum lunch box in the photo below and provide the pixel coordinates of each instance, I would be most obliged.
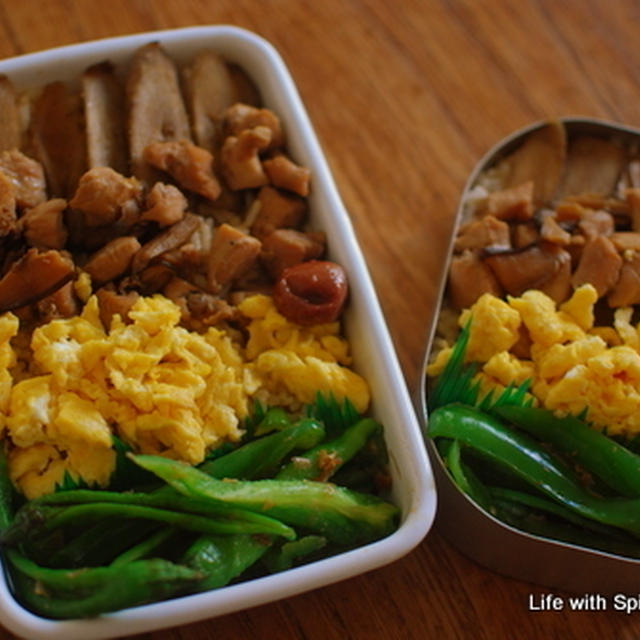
(473, 531)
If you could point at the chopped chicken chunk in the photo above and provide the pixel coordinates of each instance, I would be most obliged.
(240, 160)
(112, 260)
(285, 247)
(469, 278)
(486, 232)
(43, 225)
(599, 265)
(165, 205)
(27, 176)
(286, 174)
(277, 210)
(240, 117)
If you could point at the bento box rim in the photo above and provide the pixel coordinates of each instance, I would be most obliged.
(514, 543)
(421, 499)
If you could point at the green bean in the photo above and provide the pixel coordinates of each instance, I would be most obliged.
(321, 462)
(144, 548)
(220, 559)
(60, 593)
(283, 557)
(611, 462)
(343, 516)
(262, 456)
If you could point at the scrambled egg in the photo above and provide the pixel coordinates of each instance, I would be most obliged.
(160, 388)
(572, 364)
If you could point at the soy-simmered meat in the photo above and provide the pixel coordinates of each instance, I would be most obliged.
(285, 247)
(626, 291)
(512, 203)
(103, 97)
(277, 210)
(209, 90)
(10, 134)
(599, 265)
(156, 110)
(43, 225)
(57, 136)
(486, 232)
(112, 260)
(286, 174)
(165, 204)
(240, 158)
(469, 278)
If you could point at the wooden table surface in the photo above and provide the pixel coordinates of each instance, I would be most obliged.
(405, 97)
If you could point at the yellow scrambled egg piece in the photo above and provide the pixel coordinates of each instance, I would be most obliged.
(159, 387)
(571, 364)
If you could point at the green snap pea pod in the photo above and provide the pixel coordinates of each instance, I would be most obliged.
(613, 463)
(261, 456)
(519, 516)
(285, 556)
(275, 419)
(528, 460)
(144, 548)
(220, 559)
(61, 594)
(465, 478)
(343, 516)
(34, 519)
(321, 462)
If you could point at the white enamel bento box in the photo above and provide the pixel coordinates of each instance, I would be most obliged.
(374, 357)
(474, 531)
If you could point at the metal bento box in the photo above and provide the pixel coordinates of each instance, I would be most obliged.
(477, 532)
(413, 488)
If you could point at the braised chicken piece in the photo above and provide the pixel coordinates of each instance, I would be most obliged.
(103, 97)
(486, 232)
(112, 303)
(43, 225)
(240, 117)
(165, 205)
(514, 203)
(34, 276)
(10, 133)
(285, 247)
(558, 286)
(232, 254)
(596, 223)
(524, 235)
(27, 177)
(171, 238)
(112, 260)
(277, 210)
(626, 241)
(155, 108)
(7, 206)
(240, 160)
(189, 165)
(626, 291)
(209, 89)
(103, 195)
(551, 231)
(469, 278)
(286, 174)
(62, 303)
(57, 136)
(599, 265)
(529, 268)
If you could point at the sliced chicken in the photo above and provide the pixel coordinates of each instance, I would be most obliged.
(104, 113)
(596, 223)
(469, 278)
(286, 174)
(155, 108)
(103, 194)
(558, 286)
(209, 89)
(593, 166)
(7, 205)
(285, 247)
(10, 132)
(626, 291)
(529, 268)
(599, 265)
(113, 260)
(232, 254)
(277, 210)
(524, 235)
(165, 205)
(551, 231)
(33, 277)
(27, 177)
(191, 166)
(43, 225)
(541, 159)
(57, 136)
(485, 232)
(171, 238)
